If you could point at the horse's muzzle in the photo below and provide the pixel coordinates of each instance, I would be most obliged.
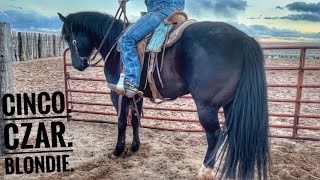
(84, 62)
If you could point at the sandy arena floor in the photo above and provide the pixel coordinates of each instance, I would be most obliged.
(167, 155)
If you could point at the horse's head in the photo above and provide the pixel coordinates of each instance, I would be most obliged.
(79, 41)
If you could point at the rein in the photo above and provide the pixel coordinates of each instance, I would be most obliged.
(122, 7)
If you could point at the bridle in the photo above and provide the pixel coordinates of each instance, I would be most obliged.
(75, 46)
(91, 62)
(122, 7)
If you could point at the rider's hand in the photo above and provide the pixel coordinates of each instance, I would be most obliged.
(121, 1)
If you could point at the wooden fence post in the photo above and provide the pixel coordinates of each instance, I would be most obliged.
(15, 45)
(35, 46)
(50, 46)
(6, 76)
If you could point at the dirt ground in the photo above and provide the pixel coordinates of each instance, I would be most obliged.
(166, 155)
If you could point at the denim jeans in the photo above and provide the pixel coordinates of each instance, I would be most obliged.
(136, 32)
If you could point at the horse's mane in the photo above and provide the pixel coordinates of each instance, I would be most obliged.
(95, 23)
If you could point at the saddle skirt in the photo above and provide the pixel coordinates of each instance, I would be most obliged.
(176, 32)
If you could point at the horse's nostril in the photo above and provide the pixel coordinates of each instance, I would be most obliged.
(85, 62)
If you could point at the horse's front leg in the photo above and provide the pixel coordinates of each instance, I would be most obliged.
(122, 124)
(135, 125)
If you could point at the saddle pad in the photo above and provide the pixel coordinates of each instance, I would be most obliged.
(159, 37)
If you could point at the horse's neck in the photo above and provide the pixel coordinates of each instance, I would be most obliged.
(112, 64)
(111, 37)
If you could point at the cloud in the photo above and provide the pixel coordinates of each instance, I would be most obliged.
(133, 18)
(260, 17)
(22, 20)
(271, 18)
(298, 17)
(3, 14)
(32, 21)
(279, 7)
(224, 8)
(303, 17)
(304, 7)
(16, 7)
(261, 31)
(308, 12)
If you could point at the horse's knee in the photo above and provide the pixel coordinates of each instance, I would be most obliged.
(136, 115)
(135, 122)
(122, 122)
(122, 125)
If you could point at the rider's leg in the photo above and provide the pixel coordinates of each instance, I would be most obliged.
(136, 32)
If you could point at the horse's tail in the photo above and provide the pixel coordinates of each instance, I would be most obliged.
(246, 147)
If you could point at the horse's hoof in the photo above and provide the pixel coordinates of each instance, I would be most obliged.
(113, 156)
(131, 152)
(205, 173)
(135, 147)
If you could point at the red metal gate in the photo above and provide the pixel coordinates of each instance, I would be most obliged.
(299, 125)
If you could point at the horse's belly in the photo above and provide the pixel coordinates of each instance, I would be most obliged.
(173, 87)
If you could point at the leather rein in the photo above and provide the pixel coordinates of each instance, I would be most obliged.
(122, 7)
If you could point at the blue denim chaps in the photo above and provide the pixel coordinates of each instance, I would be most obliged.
(136, 32)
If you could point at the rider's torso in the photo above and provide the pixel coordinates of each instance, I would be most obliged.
(154, 4)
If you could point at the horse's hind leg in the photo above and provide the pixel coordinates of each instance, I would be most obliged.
(208, 117)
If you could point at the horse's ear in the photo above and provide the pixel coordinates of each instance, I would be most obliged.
(63, 19)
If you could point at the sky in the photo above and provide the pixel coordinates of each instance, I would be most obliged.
(284, 21)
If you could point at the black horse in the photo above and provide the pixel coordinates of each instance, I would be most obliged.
(218, 64)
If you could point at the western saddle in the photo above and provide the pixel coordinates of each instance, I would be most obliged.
(167, 33)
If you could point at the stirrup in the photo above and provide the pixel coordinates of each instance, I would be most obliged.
(113, 87)
(119, 87)
(121, 92)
